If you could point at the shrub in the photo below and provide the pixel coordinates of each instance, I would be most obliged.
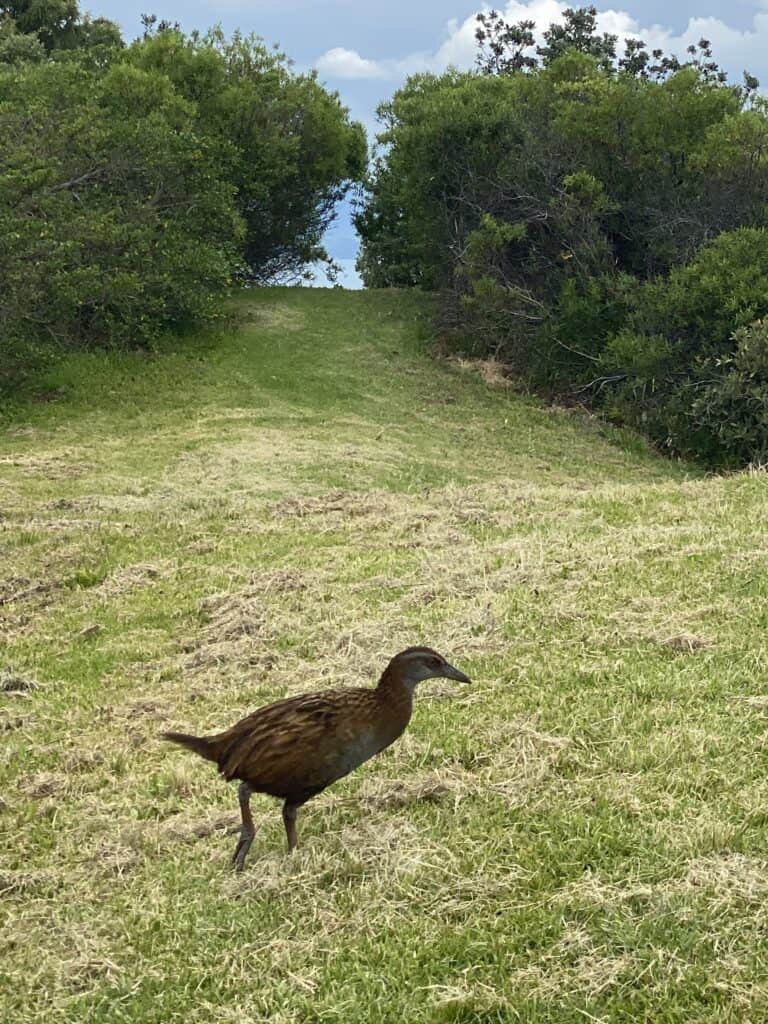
(136, 184)
(593, 220)
(726, 417)
(692, 364)
(116, 222)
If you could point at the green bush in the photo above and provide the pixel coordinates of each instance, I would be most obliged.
(594, 221)
(288, 149)
(730, 414)
(692, 362)
(137, 183)
(116, 221)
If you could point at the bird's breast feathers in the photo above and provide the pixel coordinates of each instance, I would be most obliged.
(344, 757)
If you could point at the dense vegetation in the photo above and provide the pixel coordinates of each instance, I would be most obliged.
(137, 182)
(594, 219)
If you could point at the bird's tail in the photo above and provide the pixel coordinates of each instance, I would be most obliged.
(200, 744)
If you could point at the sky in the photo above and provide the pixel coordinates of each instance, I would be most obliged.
(364, 49)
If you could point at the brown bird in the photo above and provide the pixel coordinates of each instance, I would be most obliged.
(295, 748)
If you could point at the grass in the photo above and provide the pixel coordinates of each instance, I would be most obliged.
(579, 836)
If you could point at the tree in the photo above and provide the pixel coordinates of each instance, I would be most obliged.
(137, 184)
(506, 48)
(117, 222)
(543, 201)
(289, 149)
(19, 47)
(577, 33)
(502, 47)
(58, 24)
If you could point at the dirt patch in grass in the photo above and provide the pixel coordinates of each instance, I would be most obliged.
(233, 616)
(84, 504)
(84, 760)
(431, 787)
(239, 656)
(17, 589)
(12, 682)
(492, 373)
(140, 708)
(188, 829)
(45, 784)
(343, 503)
(132, 577)
(55, 466)
(279, 581)
(686, 643)
(11, 720)
(238, 628)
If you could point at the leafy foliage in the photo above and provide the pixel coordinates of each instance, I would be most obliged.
(137, 182)
(502, 46)
(546, 197)
(117, 221)
(288, 149)
(577, 32)
(58, 24)
(691, 365)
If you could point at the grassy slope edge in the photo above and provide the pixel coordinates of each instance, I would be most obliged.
(578, 836)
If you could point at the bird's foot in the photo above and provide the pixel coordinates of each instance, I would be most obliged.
(241, 850)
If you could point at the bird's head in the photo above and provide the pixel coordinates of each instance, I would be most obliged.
(415, 664)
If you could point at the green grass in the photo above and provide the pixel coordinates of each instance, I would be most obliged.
(579, 836)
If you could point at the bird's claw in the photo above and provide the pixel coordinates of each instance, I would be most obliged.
(241, 851)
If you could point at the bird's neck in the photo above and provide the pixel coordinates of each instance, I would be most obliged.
(396, 692)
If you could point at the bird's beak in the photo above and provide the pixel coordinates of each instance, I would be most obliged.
(449, 672)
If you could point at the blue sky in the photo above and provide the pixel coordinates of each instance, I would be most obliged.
(365, 48)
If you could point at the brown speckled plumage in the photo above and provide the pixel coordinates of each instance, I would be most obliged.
(295, 748)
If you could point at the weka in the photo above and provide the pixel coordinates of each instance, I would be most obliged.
(295, 748)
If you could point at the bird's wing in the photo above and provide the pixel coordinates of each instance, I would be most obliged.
(299, 736)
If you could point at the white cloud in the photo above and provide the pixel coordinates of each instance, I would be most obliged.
(733, 49)
(341, 63)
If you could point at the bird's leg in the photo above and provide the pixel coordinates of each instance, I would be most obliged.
(248, 831)
(289, 818)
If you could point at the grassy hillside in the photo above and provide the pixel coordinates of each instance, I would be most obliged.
(579, 836)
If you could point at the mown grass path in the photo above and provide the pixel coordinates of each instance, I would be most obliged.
(582, 835)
